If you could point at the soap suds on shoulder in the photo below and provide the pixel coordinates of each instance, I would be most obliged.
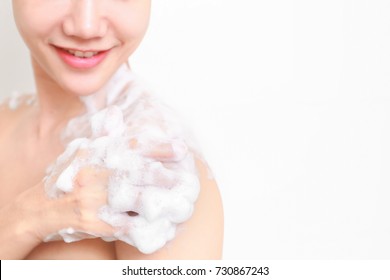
(122, 126)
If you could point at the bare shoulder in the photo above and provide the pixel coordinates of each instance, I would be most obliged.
(6, 115)
(13, 107)
(201, 237)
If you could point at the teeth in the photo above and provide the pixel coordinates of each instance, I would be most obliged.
(82, 54)
(88, 54)
(79, 54)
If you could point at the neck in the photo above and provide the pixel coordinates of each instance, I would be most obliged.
(56, 106)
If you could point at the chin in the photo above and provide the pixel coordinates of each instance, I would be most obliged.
(84, 90)
(84, 85)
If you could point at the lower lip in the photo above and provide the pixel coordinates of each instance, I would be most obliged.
(81, 63)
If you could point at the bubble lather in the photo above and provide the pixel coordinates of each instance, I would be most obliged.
(119, 133)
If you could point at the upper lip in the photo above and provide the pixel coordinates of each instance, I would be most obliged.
(81, 50)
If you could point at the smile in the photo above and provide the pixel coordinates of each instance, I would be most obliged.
(80, 59)
(82, 54)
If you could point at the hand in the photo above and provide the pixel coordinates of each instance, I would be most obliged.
(173, 151)
(88, 196)
(28, 219)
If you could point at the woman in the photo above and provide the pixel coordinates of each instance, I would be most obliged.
(77, 47)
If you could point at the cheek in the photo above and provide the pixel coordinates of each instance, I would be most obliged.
(38, 18)
(132, 24)
(34, 20)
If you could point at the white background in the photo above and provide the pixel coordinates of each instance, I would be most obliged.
(289, 100)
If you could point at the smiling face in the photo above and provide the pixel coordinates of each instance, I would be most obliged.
(79, 44)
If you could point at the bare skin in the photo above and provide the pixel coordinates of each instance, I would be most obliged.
(30, 138)
(27, 215)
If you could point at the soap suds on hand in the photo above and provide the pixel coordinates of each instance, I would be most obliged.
(121, 128)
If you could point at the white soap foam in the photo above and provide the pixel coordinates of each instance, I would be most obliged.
(16, 99)
(123, 125)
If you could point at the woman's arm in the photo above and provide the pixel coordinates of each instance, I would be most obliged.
(27, 220)
(201, 237)
(17, 237)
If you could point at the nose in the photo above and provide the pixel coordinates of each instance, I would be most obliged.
(85, 20)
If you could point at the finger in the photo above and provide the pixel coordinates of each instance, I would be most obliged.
(92, 176)
(175, 150)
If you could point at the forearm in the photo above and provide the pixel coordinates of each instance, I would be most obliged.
(16, 237)
(28, 219)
